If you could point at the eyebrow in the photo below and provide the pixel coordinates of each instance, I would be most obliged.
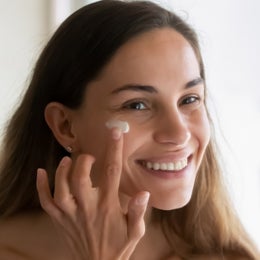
(135, 87)
(151, 89)
(194, 82)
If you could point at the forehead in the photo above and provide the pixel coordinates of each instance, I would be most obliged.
(162, 48)
(161, 58)
(161, 37)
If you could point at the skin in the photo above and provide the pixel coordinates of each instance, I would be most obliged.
(164, 129)
(101, 194)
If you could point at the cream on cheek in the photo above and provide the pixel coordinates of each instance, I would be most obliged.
(100, 154)
(130, 145)
(122, 125)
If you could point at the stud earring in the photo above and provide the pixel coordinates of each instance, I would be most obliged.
(69, 149)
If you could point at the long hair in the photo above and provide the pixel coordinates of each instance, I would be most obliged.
(73, 57)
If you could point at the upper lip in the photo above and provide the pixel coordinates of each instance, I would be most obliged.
(166, 158)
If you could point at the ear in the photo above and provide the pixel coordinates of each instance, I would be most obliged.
(59, 119)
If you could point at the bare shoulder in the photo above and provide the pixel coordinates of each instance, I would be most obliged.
(220, 257)
(210, 257)
(10, 254)
(14, 237)
(28, 236)
(19, 228)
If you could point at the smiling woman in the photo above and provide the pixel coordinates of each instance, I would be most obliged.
(147, 96)
(109, 194)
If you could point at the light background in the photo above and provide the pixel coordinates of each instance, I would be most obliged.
(229, 33)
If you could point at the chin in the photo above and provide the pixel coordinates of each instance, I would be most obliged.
(178, 201)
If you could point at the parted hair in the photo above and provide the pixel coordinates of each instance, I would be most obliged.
(74, 56)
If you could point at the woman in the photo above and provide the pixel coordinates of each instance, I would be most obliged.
(153, 193)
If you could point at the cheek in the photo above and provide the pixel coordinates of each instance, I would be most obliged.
(91, 139)
(135, 139)
(93, 142)
(202, 131)
(206, 130)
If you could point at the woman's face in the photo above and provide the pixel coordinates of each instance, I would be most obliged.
(153, 82)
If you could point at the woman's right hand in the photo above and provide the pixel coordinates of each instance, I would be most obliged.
(91, 219)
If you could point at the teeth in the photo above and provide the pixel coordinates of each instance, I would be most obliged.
(170, 166)
(163, 167)
(156, 166)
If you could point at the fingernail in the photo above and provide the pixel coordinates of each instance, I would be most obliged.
(116, 133)
(64, 161)
(40, 173)
(142, 200)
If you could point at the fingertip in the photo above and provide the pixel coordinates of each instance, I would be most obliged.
(65, 161)
(82, 158)
(40, 171)
(142, 199)
(136, 211)
(41, 180)
(40, 175)
(92, 158)
(137, 205)
(116, 133)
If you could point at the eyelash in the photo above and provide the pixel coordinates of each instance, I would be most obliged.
(140, 105)
(132, 105)
(189, 100)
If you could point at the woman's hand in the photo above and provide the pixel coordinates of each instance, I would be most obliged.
(91, 219)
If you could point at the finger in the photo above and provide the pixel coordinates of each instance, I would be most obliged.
(45, 196)
(136, 210)
(113, 165)
(62, 193)
(80, 179)
(62, 177)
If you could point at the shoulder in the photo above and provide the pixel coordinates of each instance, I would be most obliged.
(220, 257)
(28, 236)
(13, 238)
(18, 228)
(10, 254)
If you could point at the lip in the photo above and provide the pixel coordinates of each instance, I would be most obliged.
(167, 158)
(166, 174)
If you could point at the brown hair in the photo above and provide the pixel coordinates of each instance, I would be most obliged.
(73, 57)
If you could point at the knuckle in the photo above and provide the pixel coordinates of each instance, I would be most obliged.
(85, 158)
(62, 203)
(80, 181)
(138, 232)
(112, 169)
(45, 205)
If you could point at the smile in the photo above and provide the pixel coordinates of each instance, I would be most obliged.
(166, 166)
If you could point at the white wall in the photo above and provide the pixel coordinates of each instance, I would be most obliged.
(23, 30)
(230, 38)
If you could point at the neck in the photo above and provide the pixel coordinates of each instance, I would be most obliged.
(154, 237)
(153, 245)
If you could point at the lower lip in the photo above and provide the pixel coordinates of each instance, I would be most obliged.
(167, 174)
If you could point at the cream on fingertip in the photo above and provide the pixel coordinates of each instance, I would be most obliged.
(122, 125)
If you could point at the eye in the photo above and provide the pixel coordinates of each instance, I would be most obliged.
(190, 100)
(135, 105)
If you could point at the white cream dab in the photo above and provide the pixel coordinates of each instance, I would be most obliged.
(123, 125)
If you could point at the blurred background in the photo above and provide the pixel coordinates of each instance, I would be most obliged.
(229, 34)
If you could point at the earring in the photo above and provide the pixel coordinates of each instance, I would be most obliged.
(69, 149)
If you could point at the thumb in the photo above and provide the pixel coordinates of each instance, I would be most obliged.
(136, 210)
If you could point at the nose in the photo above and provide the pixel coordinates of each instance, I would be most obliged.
(172, 128)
